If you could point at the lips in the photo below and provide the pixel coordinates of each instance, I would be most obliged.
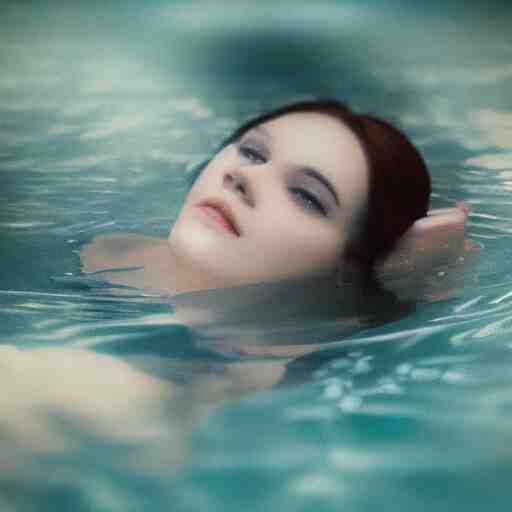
(221, 214)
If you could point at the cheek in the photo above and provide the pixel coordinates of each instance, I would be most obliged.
(302, 247)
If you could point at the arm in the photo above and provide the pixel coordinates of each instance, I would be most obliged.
(55, 401)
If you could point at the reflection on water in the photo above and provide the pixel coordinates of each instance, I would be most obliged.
(96, 137)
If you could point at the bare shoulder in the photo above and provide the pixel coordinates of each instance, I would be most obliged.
(119, 250)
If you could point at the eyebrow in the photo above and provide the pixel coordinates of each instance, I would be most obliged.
(308, 171)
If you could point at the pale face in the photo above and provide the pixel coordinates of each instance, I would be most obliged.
(280, 203)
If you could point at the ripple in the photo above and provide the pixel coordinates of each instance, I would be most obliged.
(25, 225)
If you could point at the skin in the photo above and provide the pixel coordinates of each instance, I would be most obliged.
(262, 179)
(265, 181)
(283, 234)
(200, 253)
(280, 208)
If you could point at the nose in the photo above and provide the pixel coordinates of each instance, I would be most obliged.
(239, 184)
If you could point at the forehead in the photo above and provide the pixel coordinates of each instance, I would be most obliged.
(325, 143)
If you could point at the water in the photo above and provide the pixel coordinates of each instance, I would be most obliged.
(96, 135)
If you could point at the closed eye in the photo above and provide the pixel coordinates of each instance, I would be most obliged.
(251, 153)
(308, 200)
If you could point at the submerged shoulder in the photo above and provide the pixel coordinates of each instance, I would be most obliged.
(117, 251)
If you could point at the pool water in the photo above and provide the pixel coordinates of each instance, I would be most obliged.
(97, 136)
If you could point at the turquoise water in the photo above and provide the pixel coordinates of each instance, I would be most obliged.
(102, 112)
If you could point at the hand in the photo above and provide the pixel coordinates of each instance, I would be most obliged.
(434, 240)
(431, 255)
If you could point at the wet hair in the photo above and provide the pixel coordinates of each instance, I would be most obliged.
(399, 182)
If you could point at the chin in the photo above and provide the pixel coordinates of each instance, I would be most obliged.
(200, 253)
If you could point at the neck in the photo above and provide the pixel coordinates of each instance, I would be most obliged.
(188, 276)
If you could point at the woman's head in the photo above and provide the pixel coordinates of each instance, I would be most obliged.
(297, 192)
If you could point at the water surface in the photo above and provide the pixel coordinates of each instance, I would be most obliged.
(104, 109)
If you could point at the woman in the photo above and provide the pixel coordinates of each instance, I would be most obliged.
(299, 209)
(310, 190)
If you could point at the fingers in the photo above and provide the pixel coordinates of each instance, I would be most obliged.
(462, 205)
(431, 240)
(440, 220)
